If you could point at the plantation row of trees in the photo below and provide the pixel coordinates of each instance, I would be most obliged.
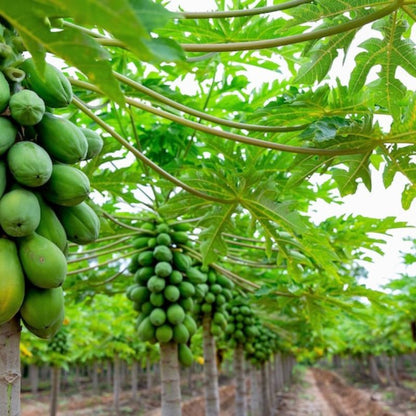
(188, 212)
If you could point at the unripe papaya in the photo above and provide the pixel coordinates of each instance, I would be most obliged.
(185, 355)
(42, 307)
(67, 186)
(81, 223)
(182, 261)
(43, 263)
(47, 333)
(50, 227)
(180, 334)
(19, 212)
(3, 178)
(164, 333)
(4, 92)
(175, 314)
(146, 330)
(95, 142)
(190, 324)
(53, 87)
(26, 107)
(12, 281)
(62, 139)
(29, 163)
(7, 134)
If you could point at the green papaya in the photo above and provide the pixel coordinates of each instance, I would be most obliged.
(163, 239)
(162, 253)
(164, 333)
(48, 333)
(157, 299)
(185, 355)
(3, 177)
(67, 186)
(146, 330)
(157, 317)
(19, 212)
(175, 277)
(163, 269)
(52, 86)
(80, 222)
(140, 294)
(145, 258)
(62, 139)
(12, 281)
(180, 237)
(50, 227)
(225, 282)
(171, 293)
(187, 304)
(42, 307)
(29, 163)
(156, 284)
(180, 334)
(182, 261)
(140, 242)
(186, 289)
(8, 134)
(143, 274)
(26, 107)
(190, 324)
(162, 228)
(95, 143)
(195, 276)
(4, 92)
(43, 262)
(181, 226)
(175, 314)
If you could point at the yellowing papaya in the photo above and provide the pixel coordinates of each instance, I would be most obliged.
(81, 223)
(12, 281)
(67, 186)
(19, 212)
(53, 87)
(42, 261)
(62, 139)
(29, 163)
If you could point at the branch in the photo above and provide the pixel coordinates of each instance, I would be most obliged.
(240, 13)
(121, 224)
(93, 256)
(110, 237)
(96, 249)
(110, 279)
(291, 40)
(142, 157)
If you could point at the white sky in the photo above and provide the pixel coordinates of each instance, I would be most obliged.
(378, 203)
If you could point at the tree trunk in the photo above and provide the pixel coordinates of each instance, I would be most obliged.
(396, 377)
(265, 391)
(109, 375)
(95, 387)
(134, 379)
(279, 372)
(34, 378)
(256, 404)
(385, 361)
(170, 379)
(149, 375)
(55, 380)
(116, 384)
(240, 390)
(212, 398)
(374, 373)
(10, 376)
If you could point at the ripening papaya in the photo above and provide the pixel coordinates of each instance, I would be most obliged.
(50, 227)
(26, 107)
(52, 86)
(4, 92)
(95, 143)
(43, 262)
(62, 139)
(80, 222)
(67, 186)
(8, 133)
(12, 281)
(41, 308)
(29, 164)
(19, 212)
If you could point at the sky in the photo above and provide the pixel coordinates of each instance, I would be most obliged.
(378, 203)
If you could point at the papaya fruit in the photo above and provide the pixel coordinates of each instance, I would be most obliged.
(62, 139)
(164, 333)
(206, 308)
(175, 314)
(94, 141)
(185, 355)
(8, 134)
(171, 293)
(43, 262)
(143, 274)
(140, 295)
(181, 226)
(41, 308)
(175, 277)
(47, 333)
(67, 186)
(157, 299)
(145, 258)
(179, 237)
(163, 239)
(163, 269)
(140, 242)
(50, 227)
(80, 222)
(187, 304)
(162, 228)
(157, 317)
(215, 289)
(180, 334)
(182, 261)
(190, 324)
(12, 281)
(52, 86)
(146, 330)
(3, 177)
(26, 107)
(156, 284)
(19, 212)
(29, 164)
(162, 253)
(186, 289)
(4, 92)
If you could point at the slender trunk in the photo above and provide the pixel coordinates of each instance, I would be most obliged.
(190, 382)
(170, 379)
(95, 387)
(385, 361)
(10, 376)
(78, 379)
(374, 373)
(109, 374)
(55, 380)
(280, 383)
(149, 378)
(255, 396)
(396, 377)
(270, 383)
(34, 378)
(212, 398)
(117, 384)
(264, 391)
(134, 379)
(240, 390)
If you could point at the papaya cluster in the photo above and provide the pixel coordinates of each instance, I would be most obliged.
(42, 196)
(165, 283)
(59, 342)
(262, 346)
(212, 299)
(241, 327)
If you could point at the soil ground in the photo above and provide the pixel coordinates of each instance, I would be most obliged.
(317, 392)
